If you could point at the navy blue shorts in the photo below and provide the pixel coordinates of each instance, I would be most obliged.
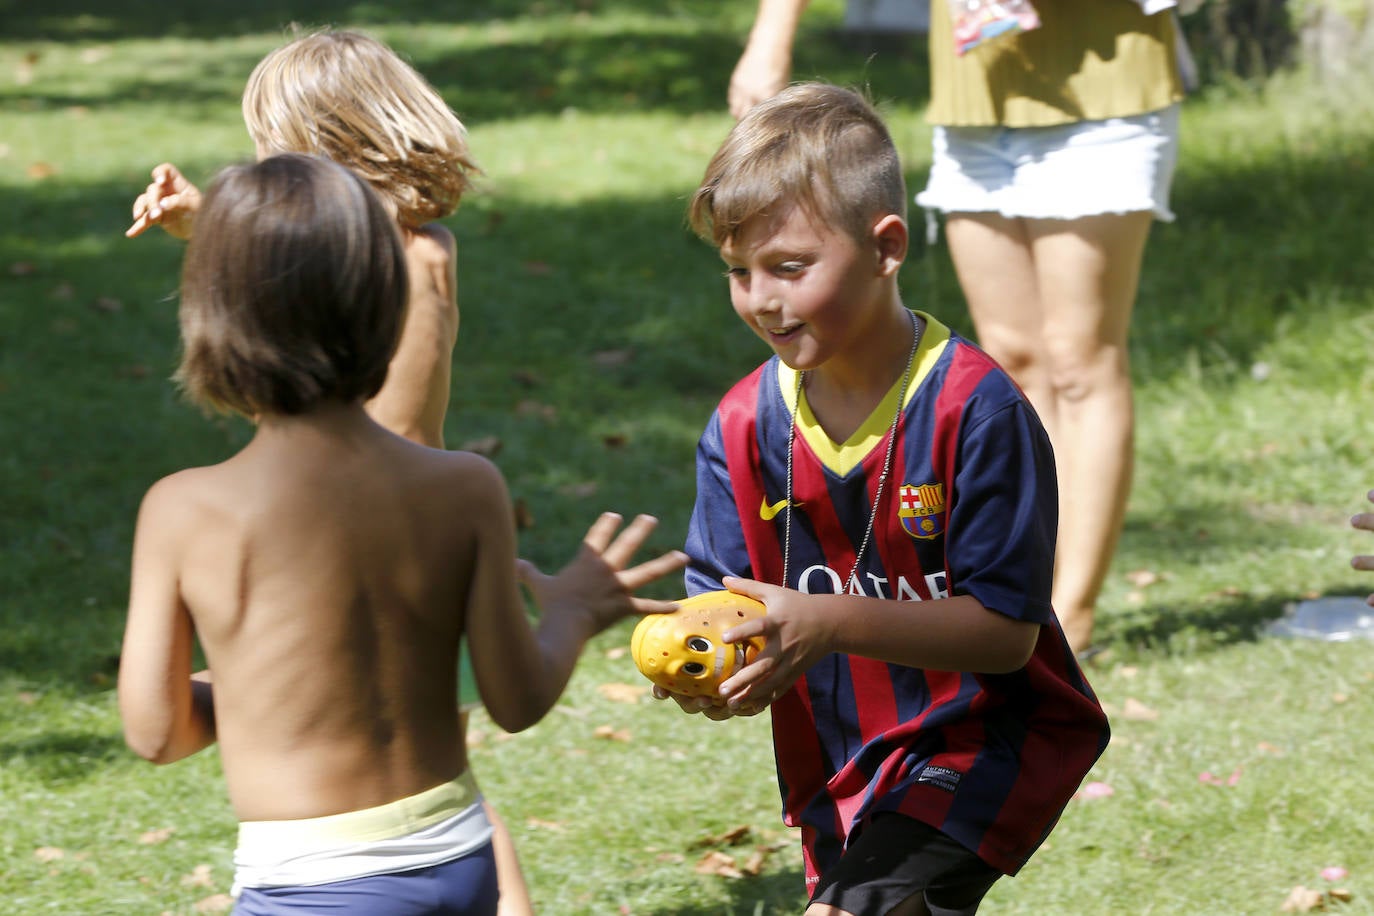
(896, 858)
(464, 887)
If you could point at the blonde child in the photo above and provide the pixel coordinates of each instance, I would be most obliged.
(884, 488)
(330, 569)
(351, 98)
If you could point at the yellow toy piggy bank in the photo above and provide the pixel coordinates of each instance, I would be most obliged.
(683, 651)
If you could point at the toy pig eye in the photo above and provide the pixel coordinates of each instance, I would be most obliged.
(698, 644)
(693, 669)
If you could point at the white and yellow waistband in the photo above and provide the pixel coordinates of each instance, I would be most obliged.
(428, 828)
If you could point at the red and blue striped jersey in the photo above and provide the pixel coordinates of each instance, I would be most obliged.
(969, 508)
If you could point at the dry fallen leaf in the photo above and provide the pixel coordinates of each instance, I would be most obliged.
(40, 170)
(26, 697)
(1304, 900)
(486, 446)
(611, 733)
(1142, 578)
(730, 837)
(23, 71)
(623, 693)
(540, 824)
(200, 876)
(153, 837)
(615, 440)
(1136, 711)
(719, 864)
(615, 652)
(753, 866)
(49, 854)
(219, 903)
(529, 408)
(612, 359)
(524, 518)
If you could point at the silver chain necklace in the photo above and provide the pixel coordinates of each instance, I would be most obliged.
(916, 333)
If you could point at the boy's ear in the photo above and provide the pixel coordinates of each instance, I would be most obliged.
(890, 239)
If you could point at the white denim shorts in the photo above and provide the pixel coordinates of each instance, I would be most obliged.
(1120, 165)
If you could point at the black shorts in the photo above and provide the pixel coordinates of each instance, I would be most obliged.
(897, 857)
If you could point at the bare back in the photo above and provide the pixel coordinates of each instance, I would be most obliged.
(327, 568)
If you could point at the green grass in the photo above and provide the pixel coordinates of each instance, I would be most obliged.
(596, 338)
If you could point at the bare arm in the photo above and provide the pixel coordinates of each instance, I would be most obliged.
(766, 64)
(946, 634)
(415, 398)
(168, 713)
(522, 670)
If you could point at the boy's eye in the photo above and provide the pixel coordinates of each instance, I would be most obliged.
(736, 273)
(790, 267)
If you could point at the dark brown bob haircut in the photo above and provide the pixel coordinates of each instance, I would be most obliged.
(293, 289)
(813, 145)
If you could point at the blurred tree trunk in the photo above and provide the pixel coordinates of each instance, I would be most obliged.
(1337, 36)
(1252, 38)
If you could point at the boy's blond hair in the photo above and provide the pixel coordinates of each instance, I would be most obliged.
(293, 289)
(812, 145)
(350, 98)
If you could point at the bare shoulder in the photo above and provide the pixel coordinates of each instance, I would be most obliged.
(431, 243)
(470, 473)
(178, 499)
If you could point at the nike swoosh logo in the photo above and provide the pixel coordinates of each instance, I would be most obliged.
(768, 513)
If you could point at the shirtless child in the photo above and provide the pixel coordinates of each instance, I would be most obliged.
(330, 569)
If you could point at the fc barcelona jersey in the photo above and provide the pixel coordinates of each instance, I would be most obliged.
(969, 507)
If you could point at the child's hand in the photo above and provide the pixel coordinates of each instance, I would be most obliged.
(1365, 522)
(596, 584)
(795, 640)
(708, 707)
(170, 202)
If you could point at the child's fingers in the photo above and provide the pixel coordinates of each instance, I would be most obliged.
(1362, 562)
(1365, 521)
(648, 606)
(620, 551)
(599, 535)
(139, 226)
(637, 577)
(165, 175)
(747, 630)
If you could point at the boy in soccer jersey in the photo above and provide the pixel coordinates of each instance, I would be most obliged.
(884, 488)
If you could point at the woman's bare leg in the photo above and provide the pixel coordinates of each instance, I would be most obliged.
(1066, 345)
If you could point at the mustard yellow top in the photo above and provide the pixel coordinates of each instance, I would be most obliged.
(1088, 60)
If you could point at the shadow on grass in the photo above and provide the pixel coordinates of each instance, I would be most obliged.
(772, 894)
(69, 20)
(64, 758)
(659, 66)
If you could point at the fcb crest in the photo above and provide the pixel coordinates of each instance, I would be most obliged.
(921, 509)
